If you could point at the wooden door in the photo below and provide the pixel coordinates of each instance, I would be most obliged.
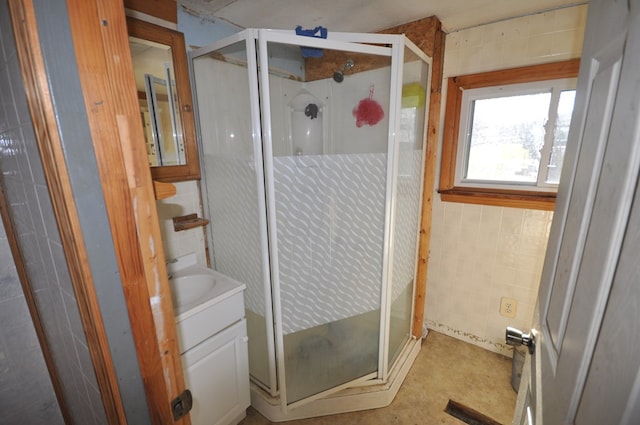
(585, 366)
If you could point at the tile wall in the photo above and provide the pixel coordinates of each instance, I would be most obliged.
(31, 211)
(482, 253)
(23, 373)
(185, 201)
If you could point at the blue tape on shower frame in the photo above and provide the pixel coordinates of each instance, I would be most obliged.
(317, 32)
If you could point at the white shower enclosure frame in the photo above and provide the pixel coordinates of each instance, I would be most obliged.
(256, 42)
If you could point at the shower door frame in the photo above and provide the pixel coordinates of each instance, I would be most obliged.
(248, 36)
(348, 43)
(406, 43)
(257, 57)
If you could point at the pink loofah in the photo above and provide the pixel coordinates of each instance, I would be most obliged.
(368, 111)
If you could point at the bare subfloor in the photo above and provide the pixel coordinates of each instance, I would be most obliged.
(445, 369)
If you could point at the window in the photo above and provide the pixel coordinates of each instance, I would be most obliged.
(505, 135)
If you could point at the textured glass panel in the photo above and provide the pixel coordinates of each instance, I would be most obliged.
(330, 184)
(330, 215)
(232, 190)
(407, 208)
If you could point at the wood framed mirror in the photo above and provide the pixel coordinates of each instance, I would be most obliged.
(164, 94)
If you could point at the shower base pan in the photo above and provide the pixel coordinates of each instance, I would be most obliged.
(361, 397)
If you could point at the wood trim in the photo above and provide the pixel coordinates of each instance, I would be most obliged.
(99, 51)
(18, 259)
(162, 9)
(523, 74)
(49, 145)
(433, 124)
(103, 57)
(500, 200)
(451, 133)
(455, 89)
(175, 39)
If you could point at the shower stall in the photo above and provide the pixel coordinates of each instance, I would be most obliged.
(312, 153)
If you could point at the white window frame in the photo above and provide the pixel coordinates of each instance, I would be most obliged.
(555, 87)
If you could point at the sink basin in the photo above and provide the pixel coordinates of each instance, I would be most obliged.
(190, 288)
(205, 301)
(195, 288)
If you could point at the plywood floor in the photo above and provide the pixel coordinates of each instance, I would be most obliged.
(445, 369)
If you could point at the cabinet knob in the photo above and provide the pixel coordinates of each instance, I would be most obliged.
(244, 339)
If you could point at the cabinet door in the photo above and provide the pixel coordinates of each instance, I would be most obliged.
(217, 373)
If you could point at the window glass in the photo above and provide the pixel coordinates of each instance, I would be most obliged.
(507, 135)
(514, 136)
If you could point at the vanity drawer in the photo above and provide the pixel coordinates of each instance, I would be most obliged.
(215, 317)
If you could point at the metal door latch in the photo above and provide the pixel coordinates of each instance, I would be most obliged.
(516, 338)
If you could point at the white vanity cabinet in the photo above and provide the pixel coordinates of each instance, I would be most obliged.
(217, 373)
(213, 341)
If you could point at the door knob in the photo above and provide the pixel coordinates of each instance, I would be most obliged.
(516, 338)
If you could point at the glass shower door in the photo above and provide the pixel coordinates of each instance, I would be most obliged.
(226, 89)
(327, 173)
(408, 197)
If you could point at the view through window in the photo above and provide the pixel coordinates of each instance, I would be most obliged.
(517, 139)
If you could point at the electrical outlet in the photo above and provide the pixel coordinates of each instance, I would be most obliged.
(508, 307)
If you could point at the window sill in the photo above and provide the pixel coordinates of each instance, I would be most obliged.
(500, 198)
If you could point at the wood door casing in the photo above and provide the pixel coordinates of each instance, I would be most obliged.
(106, 76)
(49, 145)
(104, 65)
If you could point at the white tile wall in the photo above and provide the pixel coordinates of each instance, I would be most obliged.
(482, 253)
(31, 400)
(185, 201)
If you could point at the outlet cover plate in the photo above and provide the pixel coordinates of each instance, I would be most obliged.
(508, 307)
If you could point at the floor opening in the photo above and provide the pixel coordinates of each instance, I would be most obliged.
(468, 415)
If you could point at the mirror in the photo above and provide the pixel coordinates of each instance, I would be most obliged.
(164, 95)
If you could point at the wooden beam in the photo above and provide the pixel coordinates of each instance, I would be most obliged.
(162, 9)
(433, 125)
(101, 43)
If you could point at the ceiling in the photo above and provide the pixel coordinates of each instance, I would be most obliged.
(367, 15)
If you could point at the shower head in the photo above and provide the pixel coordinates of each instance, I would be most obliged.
(338, 76)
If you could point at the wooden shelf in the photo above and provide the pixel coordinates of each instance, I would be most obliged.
(188, 221)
